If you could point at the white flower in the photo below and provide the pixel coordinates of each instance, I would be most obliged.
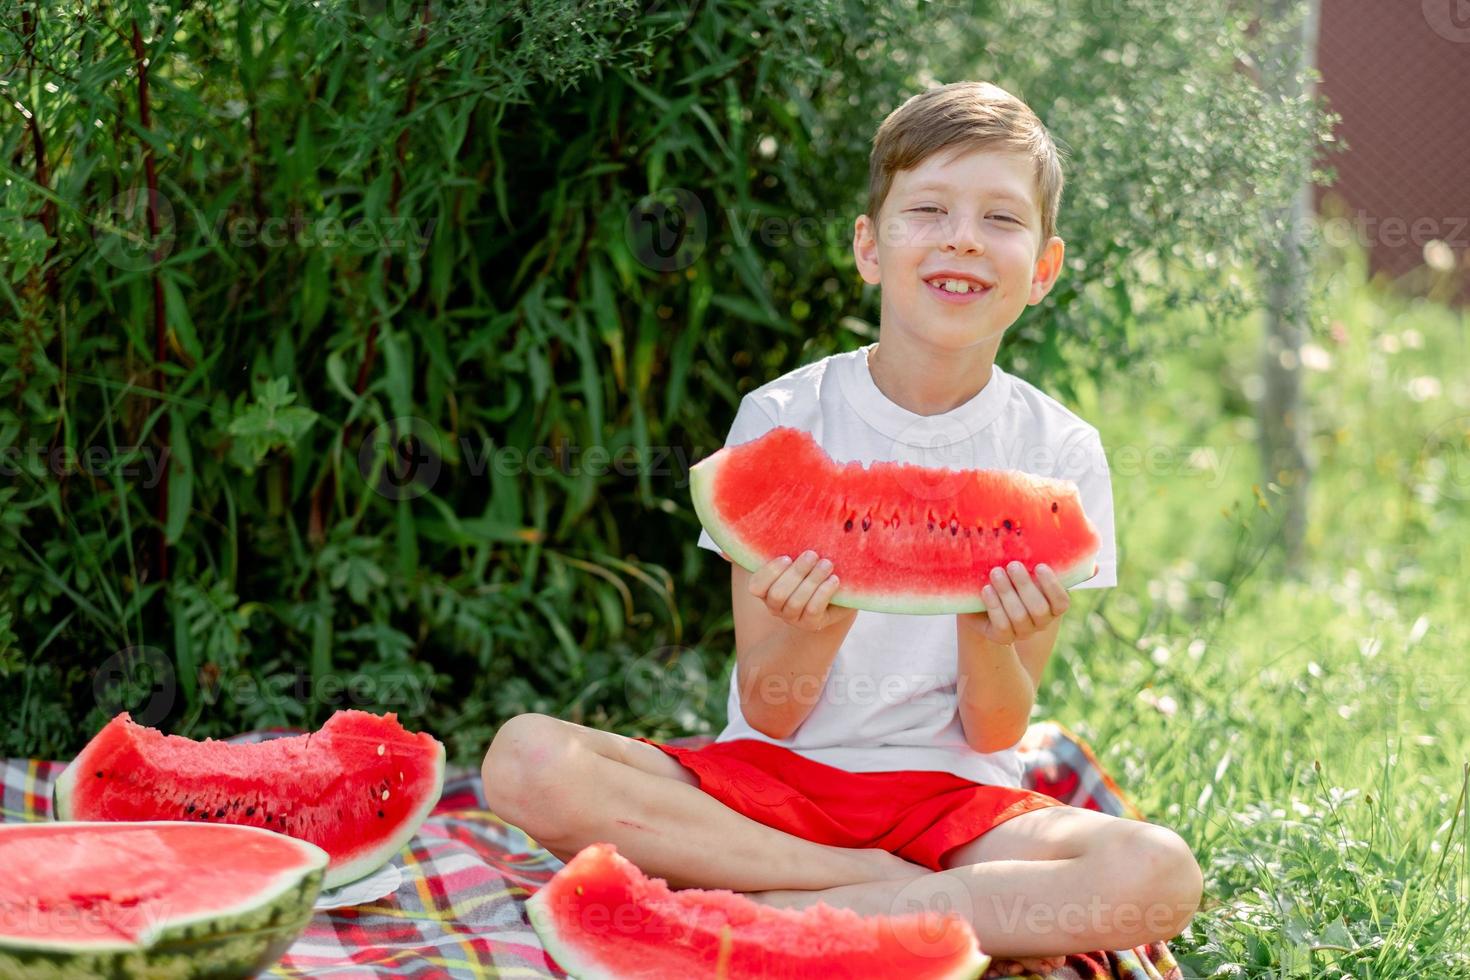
(1423, 388)
(1314, 358)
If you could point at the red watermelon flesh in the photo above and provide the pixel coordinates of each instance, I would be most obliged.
(358, 788)
(166, 899)
(902, 538)
(603, 919)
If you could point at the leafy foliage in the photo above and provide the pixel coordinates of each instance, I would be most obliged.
(360, 357)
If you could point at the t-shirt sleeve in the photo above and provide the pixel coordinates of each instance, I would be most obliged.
(751, 422)
(1083, 462)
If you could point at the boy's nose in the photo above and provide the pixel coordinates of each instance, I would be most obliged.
(960, 236)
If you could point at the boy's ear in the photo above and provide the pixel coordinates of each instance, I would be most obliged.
(1048, 268)
(865, 249)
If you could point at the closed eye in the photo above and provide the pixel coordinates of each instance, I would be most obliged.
(1003, 217)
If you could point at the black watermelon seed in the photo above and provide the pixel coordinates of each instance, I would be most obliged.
(250, 811)
(847, 526)
(867, 523)
(1053, 506)
(953, 530)
(1006, 523)
(219, 813)
(380, 813)
(99, 773)
(189, 808)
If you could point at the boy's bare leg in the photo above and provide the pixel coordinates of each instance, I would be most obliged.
(1024, 908)
(568, 786)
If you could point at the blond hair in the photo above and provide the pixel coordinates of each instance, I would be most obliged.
(965, 116)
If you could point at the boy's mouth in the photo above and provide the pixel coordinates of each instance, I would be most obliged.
(963, 289)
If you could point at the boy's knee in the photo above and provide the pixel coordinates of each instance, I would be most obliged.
(523, 763)
(1168, 883)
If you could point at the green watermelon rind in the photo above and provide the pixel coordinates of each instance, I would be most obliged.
(345, 873)
(701, 488)
(544, 922)
(238, 941)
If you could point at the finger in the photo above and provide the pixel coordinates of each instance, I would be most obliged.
(790, 578)
(1000, 623)
(1037, 606)
(761, 581)
(817, 604)
(1056, 592)
(1015, 611)
(799, 597)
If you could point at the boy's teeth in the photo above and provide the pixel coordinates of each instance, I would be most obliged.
(955, 285)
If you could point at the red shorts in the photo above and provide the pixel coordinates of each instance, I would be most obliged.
(918, 815)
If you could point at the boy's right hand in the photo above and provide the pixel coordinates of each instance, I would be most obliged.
(797, 592)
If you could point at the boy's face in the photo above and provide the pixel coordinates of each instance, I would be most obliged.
(976, 214)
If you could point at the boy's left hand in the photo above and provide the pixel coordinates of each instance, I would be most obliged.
(1018, 605)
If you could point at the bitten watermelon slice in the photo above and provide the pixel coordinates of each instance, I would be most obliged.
(602, 919)
(901, 538)
(175, 900)
(359, 788)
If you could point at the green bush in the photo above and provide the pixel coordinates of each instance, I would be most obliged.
(351, 231)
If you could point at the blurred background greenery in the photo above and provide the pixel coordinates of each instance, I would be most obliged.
(317, 316)
(284, 250)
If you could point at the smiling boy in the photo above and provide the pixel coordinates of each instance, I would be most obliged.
(869, 759)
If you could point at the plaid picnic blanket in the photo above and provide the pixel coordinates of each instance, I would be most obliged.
(460, 911)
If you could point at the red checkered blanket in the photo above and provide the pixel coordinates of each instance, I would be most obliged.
(460, 911)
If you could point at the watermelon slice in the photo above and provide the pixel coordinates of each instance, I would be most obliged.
(359, 788)
(151, 899)
(901, 538)
(602, 919)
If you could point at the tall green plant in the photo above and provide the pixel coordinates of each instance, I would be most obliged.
(366, 366)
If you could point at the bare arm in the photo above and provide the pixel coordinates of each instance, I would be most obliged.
(998, 684)
(1003, 652)
(786, 638)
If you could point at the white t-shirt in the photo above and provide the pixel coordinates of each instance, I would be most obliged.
(889, 701)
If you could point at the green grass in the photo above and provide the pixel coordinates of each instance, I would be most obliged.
(1310, 738)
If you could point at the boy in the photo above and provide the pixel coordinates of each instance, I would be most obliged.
(905, 793)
